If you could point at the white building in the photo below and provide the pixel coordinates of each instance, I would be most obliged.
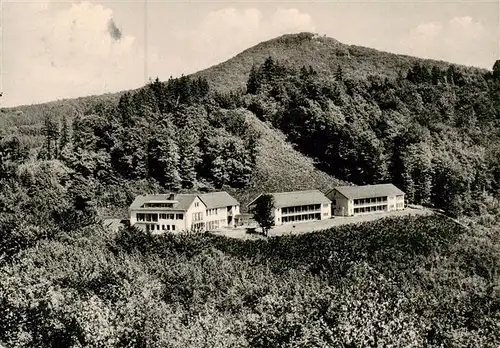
(183, 212)
(299, 206)
(368, 199)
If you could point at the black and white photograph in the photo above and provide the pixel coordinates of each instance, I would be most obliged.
(250, 174)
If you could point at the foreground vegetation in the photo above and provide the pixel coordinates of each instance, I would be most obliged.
(413, 282)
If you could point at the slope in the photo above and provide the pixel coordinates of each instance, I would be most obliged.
(324, 54)
(280, 167)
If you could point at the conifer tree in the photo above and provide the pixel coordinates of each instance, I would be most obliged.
(163, 157)
(496, 69)
(64, 137)
(188, 156)
(253, 82)
(339, 75)
(51, 132)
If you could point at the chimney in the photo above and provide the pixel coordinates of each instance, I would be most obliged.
(171, 197)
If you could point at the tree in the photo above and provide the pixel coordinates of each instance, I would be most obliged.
(339, 75)
(496, 69)
(64, 137)
(253, 82)
(436, 75)
(263, 212)
(163, 157)
(189, 154)
(51, 132)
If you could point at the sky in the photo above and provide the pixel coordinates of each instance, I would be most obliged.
(62, 49)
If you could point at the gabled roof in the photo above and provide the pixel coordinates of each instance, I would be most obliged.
(368, 191)
(218, 199)
(184, 201)
(295, 198)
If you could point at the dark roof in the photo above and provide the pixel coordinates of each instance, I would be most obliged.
(295, 198)
(368, 191)
(183, 201)
(218, 199)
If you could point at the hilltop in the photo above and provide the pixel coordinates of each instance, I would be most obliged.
(324, 54)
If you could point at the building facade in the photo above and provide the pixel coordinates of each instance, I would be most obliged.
(368, 199)
(298, 206)
(183, 212)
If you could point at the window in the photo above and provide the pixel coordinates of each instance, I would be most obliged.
(163, 227)
(180, 216)
(152, 217)
(168, 227)
(173, 227)
(197, 216)
(196, 204)
(163, 216)
(141, 217)
(334, 202)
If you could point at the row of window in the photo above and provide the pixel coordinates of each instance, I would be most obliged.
(211, 212)
(303, 217)
(157, 227)
(158, 205)
(171, 216)
(301, 209)
(370, 209)
(147, 217)
(400, 205)
(212, 225)
(198, 216)
(154, 217)
(370, 200)
(200, 226)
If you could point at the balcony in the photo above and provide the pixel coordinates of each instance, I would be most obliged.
(313, 208)
(367, 202)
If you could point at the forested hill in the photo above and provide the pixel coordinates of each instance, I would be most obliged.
(324, 54)
(258, 122)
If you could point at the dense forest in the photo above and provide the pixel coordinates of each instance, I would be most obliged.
(430, 131)
(429, 127)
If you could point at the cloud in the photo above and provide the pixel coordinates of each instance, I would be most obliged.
(228, 31)
(53, 52)
(458, 40)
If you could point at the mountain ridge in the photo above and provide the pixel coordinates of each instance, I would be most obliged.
(296, 50)
(294, 42)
